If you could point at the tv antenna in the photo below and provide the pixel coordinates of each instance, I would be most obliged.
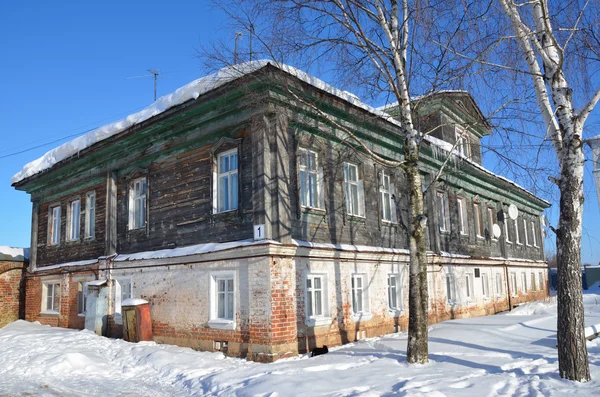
(155, 73)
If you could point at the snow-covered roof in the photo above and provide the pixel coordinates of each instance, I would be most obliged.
(192, 91)
(419, 97)
(13, 254)
(67, 264)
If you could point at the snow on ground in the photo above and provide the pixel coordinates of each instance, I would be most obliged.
(502, 355)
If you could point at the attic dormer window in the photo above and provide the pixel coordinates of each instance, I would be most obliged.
(463, 144)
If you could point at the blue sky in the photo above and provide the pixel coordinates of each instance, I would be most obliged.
(67, 67)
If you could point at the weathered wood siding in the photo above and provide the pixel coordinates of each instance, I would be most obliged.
(180, 202)
(69, 251)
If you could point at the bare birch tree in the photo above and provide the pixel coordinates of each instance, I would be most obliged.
(547, 51)
(371, 46)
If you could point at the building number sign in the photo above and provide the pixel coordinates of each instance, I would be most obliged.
(259, 232)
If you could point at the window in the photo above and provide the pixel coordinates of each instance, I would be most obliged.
(499, 286)
(54, 225)
(74, 216)
(469, 285)
(485, 286)
(314, 296)
(462, 145)
(462, 216)
(310, 189)
(90, 214)
(358, 294)
(225, 298)
(525, 233)
(450, 288)
(478, 223)
(541, 281)
(388, 207)
(355, 196)
(533, 284)
(227, 181)
(394, 292)
(523, 282)
(533, 236)
(506, 235)
(81, 298)
(517, 237)
(137, 203)
(442, 211)
(513, 284)
(51, 297)
(490, 212)
(123, 291)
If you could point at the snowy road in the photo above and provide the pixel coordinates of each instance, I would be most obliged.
(502, 355)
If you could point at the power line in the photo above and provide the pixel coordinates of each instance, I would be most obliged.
(46, 144)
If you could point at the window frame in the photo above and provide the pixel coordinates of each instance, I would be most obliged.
(517, 235)
(450, 288)
(73, 232)
(311, 292)
(499, 285)
(525, 232)
(541, 281)
(442, 200)
(462, 139)
(490, 216)
(396, 286)
(524, 282)
(533, 234)
(478, 224)
(469, 292)
(364, 298)
(533, 283)
(463, 220)
(485, 285)
(118, 298)
(305, 202)
(54, 224)
(513, 283)
(214, 320)
(359, 184)
(90, 215)
(133, 200)
(47, 286)
(82, 294)
(389, 191)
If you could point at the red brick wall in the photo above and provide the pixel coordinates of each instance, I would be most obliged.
(11, 295)
(68, 316)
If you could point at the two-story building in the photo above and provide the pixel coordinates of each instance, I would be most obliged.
(254, 226)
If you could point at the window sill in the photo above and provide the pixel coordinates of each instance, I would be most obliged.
(385, 222)
(219, 323)
(318, 321)
(80, 314)
(50, 313)
(480, 237)
(225, 212)
(313, 210)
(445, 232)
(520, 244)
(362, 316)
(90, 239)
(71, 242)
(395, 312)
(356, 218)
(464, 234)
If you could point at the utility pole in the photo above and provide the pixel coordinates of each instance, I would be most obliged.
(235, 50)
(155, 73)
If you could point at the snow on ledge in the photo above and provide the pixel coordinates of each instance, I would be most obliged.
(189, 250)
(134, 302)
(350, 247)
(12, 253)
(66, 264)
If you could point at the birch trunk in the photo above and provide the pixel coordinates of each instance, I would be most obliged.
(417, 348)
(572, 350)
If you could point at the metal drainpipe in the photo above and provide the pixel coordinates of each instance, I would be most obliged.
(508, 286)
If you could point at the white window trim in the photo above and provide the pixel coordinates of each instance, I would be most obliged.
(524, 282)
(450, 281)
(89, 220)
(214, 321)
(324, 318)
(118, 297)
(526, 234)
(485, 286)
(463, 221)
(360, 199)
(490, 213)
(84, 295)
(499, 285)
(477, 220)
(506, 235)
(318, 173)
(398, 309)
(517, 235)
(462, 139)
(71, 220)
(51, 281)
(442, 213)
(533, 283)
(53, 226)
(217, 177)
(365, 314)
(541, 281)
(514, 288)
(382, 193)
(469, 292)
(131, 224)
(533, 234)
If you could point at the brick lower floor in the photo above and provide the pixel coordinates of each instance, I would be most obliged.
(274, 302)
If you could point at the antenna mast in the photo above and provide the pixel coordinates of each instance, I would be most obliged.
(155, 73)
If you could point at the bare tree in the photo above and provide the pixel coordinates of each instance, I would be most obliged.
(547, 51)
(371, 46)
